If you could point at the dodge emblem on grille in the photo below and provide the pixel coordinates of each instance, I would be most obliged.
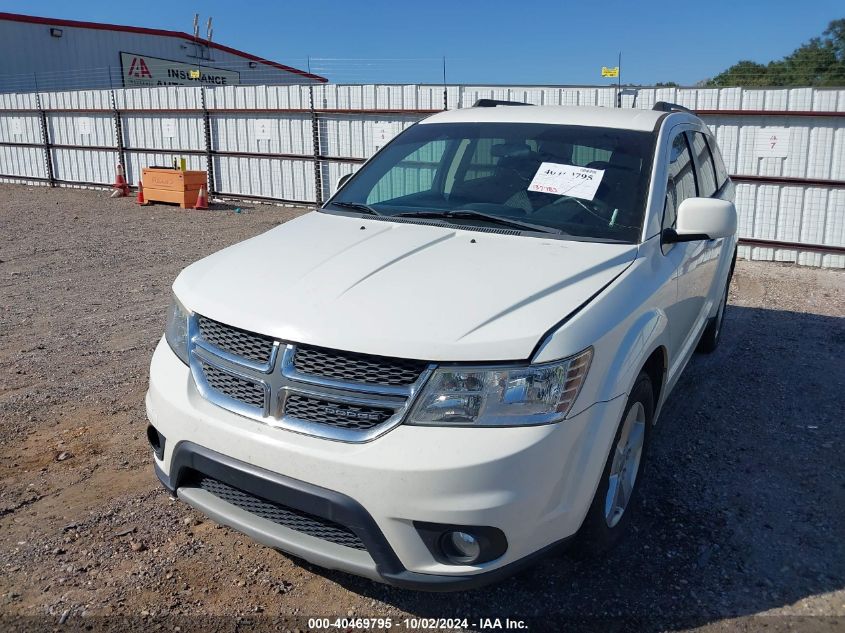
(349, 413)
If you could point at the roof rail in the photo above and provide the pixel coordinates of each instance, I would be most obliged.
(492, 103)
(665, 106)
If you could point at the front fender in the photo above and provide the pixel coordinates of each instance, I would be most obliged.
(648, 333)
(625, 324)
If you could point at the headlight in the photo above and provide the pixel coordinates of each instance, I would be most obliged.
(502, 396)
(177, 329)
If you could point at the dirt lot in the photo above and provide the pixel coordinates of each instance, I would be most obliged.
(744, 489)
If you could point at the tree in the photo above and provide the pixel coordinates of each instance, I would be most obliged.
(819, 62)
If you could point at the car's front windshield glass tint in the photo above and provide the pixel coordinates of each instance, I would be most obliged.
(583, 182)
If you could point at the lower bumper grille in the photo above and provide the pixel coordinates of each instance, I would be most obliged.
(297, 520)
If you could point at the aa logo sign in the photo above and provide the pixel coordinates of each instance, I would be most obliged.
(138, 68)
(143, 70)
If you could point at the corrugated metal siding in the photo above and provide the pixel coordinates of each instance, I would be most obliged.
(20, 127)
(26, 162)
(784, 212)
(84, 166)
(282, 179)
(258, 97)
(350, 137)
(169, 97)
(157, 131)
(30, 59)
(287, 134)
(369, 97)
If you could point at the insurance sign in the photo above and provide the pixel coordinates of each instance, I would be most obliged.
(143, 70)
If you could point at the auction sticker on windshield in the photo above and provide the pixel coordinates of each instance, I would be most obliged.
(567, 180)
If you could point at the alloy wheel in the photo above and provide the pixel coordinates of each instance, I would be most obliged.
(625, 465)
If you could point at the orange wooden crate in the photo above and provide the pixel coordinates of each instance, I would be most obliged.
(173, 185)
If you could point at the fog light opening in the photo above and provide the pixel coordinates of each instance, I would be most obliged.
(156, 441)
(461, 547)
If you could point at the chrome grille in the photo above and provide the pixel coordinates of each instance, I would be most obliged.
(337, 395)
(363, 368)
(341, 415)
(235, 387)
(254, 347)
(298, 520)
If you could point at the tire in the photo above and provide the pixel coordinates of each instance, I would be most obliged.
(712, 334)
(605, 524)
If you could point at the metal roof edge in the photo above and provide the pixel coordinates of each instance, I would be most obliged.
(99, 26)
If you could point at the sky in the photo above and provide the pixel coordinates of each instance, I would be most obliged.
(493, 42)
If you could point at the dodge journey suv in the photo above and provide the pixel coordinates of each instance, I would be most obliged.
(457, 362)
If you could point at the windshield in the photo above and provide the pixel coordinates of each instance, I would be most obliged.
(579, 182)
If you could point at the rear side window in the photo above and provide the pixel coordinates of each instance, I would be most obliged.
(681, 183)
(704, 163)
(721, 170)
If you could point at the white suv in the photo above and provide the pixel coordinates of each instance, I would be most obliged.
(456, 363)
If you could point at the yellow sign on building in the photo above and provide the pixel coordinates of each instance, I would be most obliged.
(194, 74)
(610, 72)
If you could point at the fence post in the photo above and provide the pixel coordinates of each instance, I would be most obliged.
(45, 141)
(118, 134)
(315, 134)
(206, 122)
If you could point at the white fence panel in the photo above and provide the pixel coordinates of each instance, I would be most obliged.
(22, 163)
(13, 101)
(84, 166)
(263, 133)
(282, 179)
(20, 127)
(76, 100)
(257, 98)
(164, 131)
(164, 98)
(247, 121)
(358, 137)
(72, 128)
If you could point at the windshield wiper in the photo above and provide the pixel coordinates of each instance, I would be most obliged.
(469, 214)
(357, 206)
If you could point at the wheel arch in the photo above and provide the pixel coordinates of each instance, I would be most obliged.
(655, 367)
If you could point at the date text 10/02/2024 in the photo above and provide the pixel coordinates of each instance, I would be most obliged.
(416, 624)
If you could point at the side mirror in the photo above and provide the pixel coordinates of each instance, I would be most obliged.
(702, 219)
(342, 181)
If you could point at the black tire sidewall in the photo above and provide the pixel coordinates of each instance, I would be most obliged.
(713, 332)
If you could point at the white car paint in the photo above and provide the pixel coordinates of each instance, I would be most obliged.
(436, 293)
(453, 295)
(588, 116)
(448, 475)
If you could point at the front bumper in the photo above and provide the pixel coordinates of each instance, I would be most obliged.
(533, 483)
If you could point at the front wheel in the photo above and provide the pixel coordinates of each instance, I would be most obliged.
(610, 511)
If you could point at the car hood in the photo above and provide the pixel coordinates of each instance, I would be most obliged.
(398, 289)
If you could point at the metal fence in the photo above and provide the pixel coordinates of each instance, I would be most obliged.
(292, 143)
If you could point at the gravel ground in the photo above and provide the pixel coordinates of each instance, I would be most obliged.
(744, 489)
